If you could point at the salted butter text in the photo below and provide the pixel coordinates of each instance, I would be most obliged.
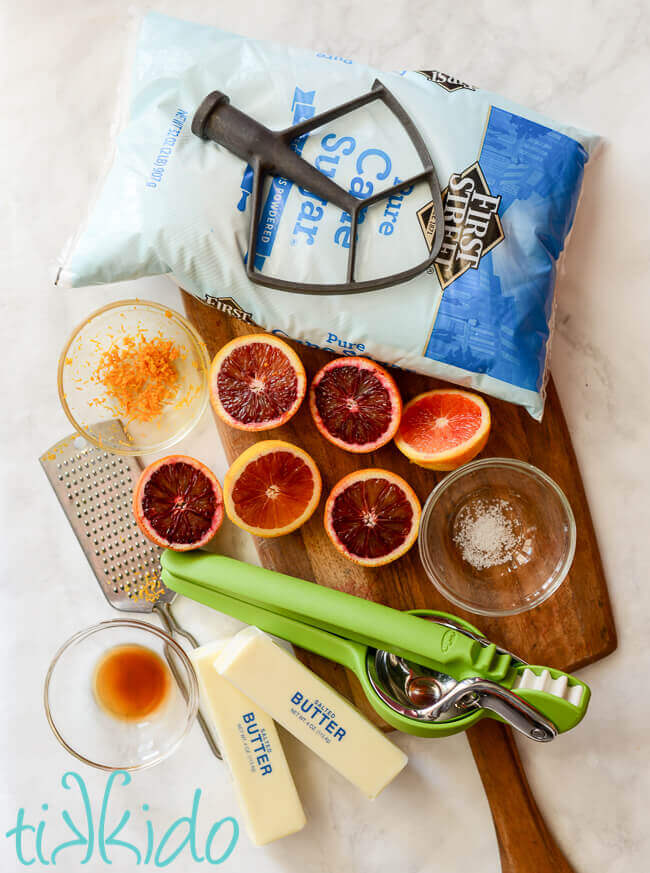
(317, 714)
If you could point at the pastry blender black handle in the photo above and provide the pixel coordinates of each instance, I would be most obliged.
(269, 152)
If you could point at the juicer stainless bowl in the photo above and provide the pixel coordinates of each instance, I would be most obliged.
(428, 695)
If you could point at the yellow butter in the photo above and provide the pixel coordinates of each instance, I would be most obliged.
(311, 710)
(249, 741)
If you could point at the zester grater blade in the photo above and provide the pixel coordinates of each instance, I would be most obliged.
(95, 489)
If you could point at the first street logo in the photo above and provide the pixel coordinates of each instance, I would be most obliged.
(447, 82)
(472, 224)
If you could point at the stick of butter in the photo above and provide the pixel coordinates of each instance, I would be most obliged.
(251, 746)
(311, 710)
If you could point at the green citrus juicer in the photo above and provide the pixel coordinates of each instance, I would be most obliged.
(431, 678)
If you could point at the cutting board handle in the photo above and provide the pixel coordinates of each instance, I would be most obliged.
(525, 843)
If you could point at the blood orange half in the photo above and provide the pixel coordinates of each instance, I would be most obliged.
(355, 404)
(372, 517)
(256, 382)
(178, 503)
(443, 429)
(272, 488)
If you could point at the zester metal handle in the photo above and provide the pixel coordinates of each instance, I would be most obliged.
(174, 629)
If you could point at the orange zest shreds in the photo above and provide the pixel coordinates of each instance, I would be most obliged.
(190, 395)
(140, 375)
(150, 590)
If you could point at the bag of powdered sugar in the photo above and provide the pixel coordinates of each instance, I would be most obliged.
(174, 204)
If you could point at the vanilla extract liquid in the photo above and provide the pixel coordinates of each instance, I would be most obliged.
(131, 682)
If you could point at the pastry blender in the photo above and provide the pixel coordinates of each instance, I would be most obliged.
(272, 153)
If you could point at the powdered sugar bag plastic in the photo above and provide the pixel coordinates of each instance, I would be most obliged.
(172, 203)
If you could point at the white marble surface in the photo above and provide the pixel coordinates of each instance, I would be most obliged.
(582, 61)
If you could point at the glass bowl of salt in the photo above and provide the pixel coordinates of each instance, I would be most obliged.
(497, 537)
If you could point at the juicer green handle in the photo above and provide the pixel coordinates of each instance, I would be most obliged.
(345, 652)
(557, 695)
(344, 615)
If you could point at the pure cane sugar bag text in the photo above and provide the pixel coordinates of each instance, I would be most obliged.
(174, 204)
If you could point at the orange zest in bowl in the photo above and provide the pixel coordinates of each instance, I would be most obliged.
(139, 374)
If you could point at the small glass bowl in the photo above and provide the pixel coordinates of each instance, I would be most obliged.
(86, 730)
(460, 527)
(85, 401)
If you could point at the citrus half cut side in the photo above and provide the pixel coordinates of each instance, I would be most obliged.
(272, 488)
(256, 382)
(178, 503)
(443, 429)
(355, 404)
(372, 516)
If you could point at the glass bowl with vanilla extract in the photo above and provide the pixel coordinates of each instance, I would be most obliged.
(121, 695)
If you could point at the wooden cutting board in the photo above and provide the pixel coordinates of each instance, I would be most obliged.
(573, 628)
